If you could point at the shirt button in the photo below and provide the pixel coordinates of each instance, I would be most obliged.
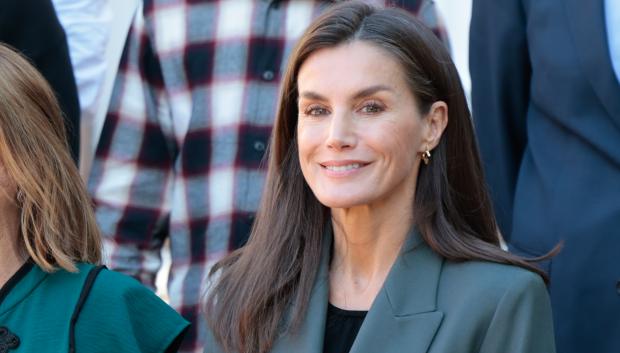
(268, 75)
(618, 287)
(259, 146)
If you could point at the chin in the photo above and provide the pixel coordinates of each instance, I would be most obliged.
(342, 201)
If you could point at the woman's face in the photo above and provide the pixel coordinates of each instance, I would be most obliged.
(360, 133)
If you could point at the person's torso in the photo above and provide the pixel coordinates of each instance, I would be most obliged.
(38, 310)
(569, 183)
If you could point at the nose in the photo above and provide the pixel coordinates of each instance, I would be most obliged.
(341, 132)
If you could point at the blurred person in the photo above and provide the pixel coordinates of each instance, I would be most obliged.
(32, 27)
(546, 104)
(180, 153)
(53, 296)
(375, 233)
(87, 27)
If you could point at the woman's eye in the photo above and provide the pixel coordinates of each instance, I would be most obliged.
(316, 111)
(372, 108)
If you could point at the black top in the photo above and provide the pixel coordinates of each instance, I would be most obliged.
(17, 276)
(341, 329)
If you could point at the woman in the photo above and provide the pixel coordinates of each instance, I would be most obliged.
(53, 297)
(375, 232)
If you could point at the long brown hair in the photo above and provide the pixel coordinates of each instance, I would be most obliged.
(275, 271)
(57, 223)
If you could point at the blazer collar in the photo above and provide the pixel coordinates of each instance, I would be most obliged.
(404, 313)
(586, 21)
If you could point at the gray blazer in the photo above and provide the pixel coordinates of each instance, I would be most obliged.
(428, 304)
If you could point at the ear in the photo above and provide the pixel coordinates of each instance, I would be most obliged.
(436, 121)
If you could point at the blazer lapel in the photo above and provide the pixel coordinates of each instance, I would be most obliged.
(404, 315)
(586, 21)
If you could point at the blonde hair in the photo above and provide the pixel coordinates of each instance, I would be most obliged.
(57, 222)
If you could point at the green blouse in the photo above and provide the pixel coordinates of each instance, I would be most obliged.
(73, 312)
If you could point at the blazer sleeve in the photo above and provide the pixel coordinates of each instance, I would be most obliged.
(500, 72)
(522, 322)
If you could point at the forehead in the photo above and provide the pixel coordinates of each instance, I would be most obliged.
(349, 66)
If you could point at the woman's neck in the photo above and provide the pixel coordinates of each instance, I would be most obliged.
(367, 241)
(11, 256)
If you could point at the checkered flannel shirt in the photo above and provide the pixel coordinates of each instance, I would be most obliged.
(187, 128)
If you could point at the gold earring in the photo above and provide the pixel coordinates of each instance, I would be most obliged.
(426, 156)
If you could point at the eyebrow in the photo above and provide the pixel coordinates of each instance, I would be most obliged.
(360, 94)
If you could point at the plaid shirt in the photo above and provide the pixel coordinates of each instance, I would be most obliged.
(188, 125)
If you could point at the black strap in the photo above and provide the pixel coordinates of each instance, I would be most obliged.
(88, 284)
(17, 276)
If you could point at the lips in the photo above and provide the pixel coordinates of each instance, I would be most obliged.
(339, 167)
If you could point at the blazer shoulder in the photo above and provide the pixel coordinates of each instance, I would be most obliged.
(493, 307)
(492, 281)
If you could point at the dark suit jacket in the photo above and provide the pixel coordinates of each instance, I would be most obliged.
(31, 26)
(546, 106)
(431, 305)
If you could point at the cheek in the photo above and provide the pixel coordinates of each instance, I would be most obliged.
(398, 141)
(302, 146)
(308, 140)
(305, 151)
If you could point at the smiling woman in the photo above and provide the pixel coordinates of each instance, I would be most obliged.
(375, 233)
